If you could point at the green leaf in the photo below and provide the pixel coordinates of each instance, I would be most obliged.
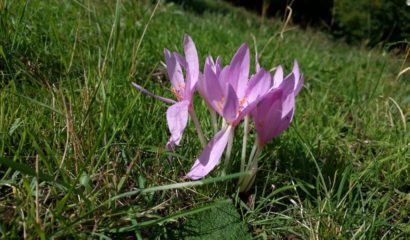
(220, 222)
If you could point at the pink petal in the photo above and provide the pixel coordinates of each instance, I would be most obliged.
(213, 91)
(200, 86)
(211, 155)
(298, 77)
(191, 57)
(239, 70)
(218, 66)
(258, 85)
(267, 116)
(278, 77)
(174, 72)
(257, 65)
(231, 106)
(177, 118)
(288, 98)
(180, 59)
(145, 91)
(300, 84)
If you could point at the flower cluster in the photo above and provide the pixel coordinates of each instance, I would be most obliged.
(235, 95)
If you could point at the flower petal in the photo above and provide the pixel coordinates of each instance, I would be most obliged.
(278, 77)
(213, 91)
(218, 66)
(288, 98)
(257, 65)
(268, 115)
(231, 106)
(258, 85)
(177, 118)
(174, 72)
(239, 70)
(145, 91)
(211, 155)
(191, 57)
(180, 59)
(299, 79)
(300, 84)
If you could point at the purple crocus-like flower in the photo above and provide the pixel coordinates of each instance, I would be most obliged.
(274, 112)
(272, 115)
(232, 95)
(182, 87)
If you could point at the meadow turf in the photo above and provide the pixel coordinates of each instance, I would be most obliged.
(82, 153)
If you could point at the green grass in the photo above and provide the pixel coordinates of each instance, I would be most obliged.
(82, 153)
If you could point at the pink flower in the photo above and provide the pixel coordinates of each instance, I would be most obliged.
(274, 112)
(232, 95)
(182, 87)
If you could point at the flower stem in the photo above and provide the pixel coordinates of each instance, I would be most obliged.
(252, 167)
(254, 148)
(228, 152)
(214, 120)
(198, 127)
(244, 142)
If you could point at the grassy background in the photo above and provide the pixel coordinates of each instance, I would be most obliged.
(77, 142)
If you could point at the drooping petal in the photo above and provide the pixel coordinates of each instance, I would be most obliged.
(231, 106)
(239, 70)
(191, 57)
(211, 154)
(177, 118)
(174, 72)
(258, 85)
(145, 91)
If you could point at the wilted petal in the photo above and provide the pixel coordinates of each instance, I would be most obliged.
(177, 118)
(239, 70)
(145, 91)
(211, 155)
(231, 106)
(191, 57)
(174, 72)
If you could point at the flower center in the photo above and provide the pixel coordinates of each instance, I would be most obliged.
(178, 93)
(220, 104)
